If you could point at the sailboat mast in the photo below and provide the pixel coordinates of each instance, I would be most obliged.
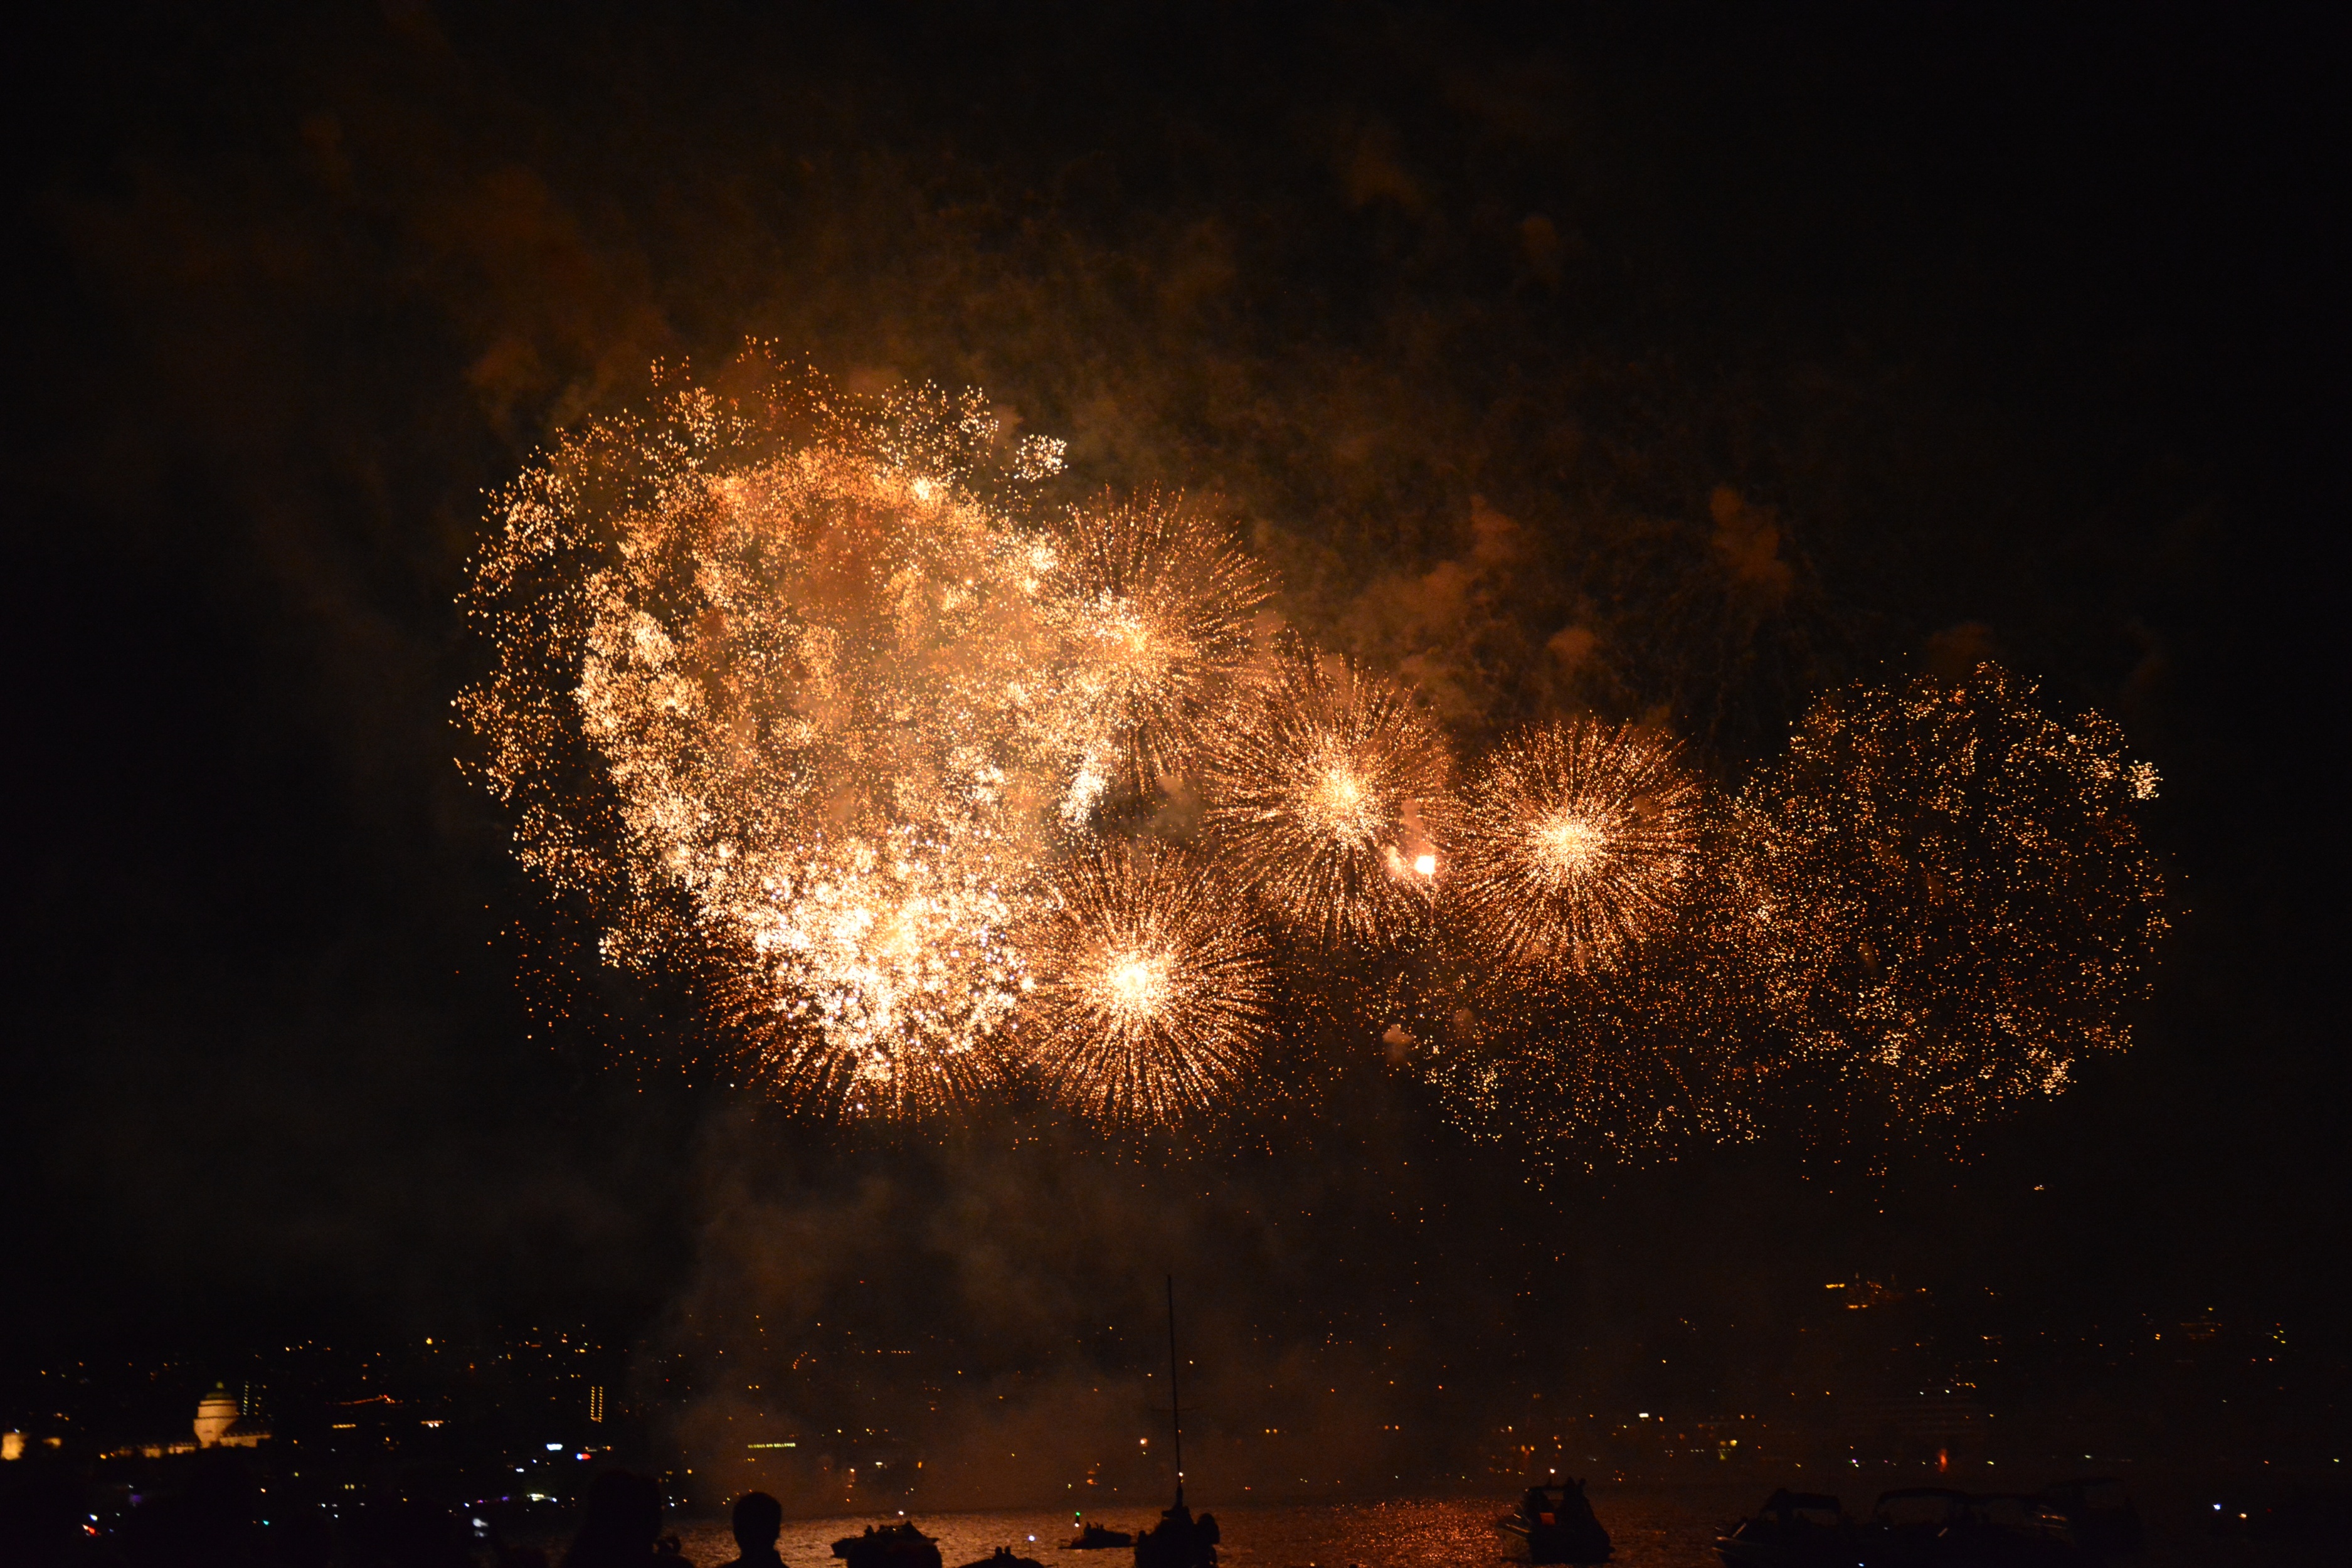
(1175, 1410)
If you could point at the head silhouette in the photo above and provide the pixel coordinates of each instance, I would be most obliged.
(758, 1519)
(623, 1519)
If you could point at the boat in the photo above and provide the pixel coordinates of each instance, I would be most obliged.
(1002, 1557)
(898, 1545)
(1914, 1525)
(1792, 1530)
(1094, 1538)
(1178, 1539)
(2019, 1529)
(1937, 1527)
(1554, 1524)
(1926, 1527)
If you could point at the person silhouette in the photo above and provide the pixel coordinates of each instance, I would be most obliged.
(758, 1519)
(621, 1524)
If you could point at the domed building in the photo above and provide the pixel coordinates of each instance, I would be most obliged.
(222, 1423)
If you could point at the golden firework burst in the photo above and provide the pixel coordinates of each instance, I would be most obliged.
(1328, 796)
(1641, 1061)
(1150, 998)
(1575, 838)
(1950, 891)
(782, 696)
(1160, 605)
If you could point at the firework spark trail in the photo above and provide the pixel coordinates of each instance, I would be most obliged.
(1575, 839)
(1151, 1001)
(1956, 902)
(1329, 794)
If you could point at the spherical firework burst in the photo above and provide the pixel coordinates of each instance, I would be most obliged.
(1575, 839)
(1162, 606)
(1328, 795)
(1150, 1000)
(779, 694)
(1956, 897)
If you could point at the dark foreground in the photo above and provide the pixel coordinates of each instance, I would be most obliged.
(1652, 1527)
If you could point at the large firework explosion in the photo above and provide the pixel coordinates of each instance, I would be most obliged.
(1955, 902)
(1328, 793)
(1575, 838)
(1150, 998)
(812, 698)
(783, 685)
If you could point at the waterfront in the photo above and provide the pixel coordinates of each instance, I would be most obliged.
(1650, 1527)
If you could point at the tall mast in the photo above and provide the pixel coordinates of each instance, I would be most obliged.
(1175, 1410)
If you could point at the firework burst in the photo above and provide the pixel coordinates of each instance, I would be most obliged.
(795, 703)
(1575, 839)
(1160, 607)
(1953, 899)
(778, 696)
(1150, 998)
(1328, 794)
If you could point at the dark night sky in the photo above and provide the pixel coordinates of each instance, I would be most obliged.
(2029, 325)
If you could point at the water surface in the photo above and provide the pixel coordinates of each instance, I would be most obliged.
(1651, 1527)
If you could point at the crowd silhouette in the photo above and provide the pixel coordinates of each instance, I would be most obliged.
(758, 1519)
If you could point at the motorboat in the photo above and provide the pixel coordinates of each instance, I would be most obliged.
(1554, 1524)
(1937, 1527)
(1094, 1538)
(1792, 1530)
(898, 1545)
(1002, 1557)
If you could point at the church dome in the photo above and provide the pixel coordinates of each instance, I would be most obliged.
(215, 1413)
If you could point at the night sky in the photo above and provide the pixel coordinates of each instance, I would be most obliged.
(2025, 334)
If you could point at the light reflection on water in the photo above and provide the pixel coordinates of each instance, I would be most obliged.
(1652, 1528)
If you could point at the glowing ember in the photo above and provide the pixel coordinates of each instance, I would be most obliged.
(1566, 846)
(1136, 983)
(1336, 806)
